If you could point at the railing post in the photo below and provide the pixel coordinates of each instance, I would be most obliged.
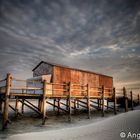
(69, 94)
(131, 95)
(88, 100)
(103, 100)
(44, 101)
(125, 99)
(7, 99)
(115, 101)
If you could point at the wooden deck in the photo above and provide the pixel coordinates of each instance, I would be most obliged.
(86, 97)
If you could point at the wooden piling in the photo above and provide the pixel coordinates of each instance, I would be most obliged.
(6, 102)
(98, 103)
(115, 101)
(40, 104)
(131, 95)
(138, 99)
(88, 100)
(125, 99)
(54, 104)
(67, 104)
(0, 106)
(69, 97)
(16, 107)
(77, 102)
(103, 101)
(22, 107)
(58, 104)
(74, 106)
(44, 101)
(107, 103)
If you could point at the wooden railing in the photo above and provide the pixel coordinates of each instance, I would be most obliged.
(62, 89)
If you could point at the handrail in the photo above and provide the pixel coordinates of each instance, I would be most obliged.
(3, 80)
(25, 88)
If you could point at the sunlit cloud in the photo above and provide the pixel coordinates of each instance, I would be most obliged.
(101, 36)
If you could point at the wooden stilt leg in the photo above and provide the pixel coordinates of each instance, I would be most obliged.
(58, 111)
(115, 101)
(44, 102)
(6, 103)
(22, 107)
(54, 104)
(138, 99)
(0, 106)
(107, 104)
(67, 104)
(131, 95)
(74, 106)
(98, 103)
(70, 111)
(125, 99)
(103, 101)
(88, 100)
(16, 107)
(39, 104)
(77, 104)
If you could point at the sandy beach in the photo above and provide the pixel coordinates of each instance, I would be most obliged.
(107, 129)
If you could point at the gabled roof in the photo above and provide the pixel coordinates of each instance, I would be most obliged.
(53, 64)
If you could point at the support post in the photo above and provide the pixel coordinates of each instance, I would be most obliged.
(0, 105)
(98, 103)
(44, 101)
(103, 101)
(125, 99)
(58, 111)
(40, 104)
(54, 104)
(22, 107)
(16, 107)
(138, 99)
(7, 99)
(88, 100)
(77, 104)
(67, 104)
(69, 93)
(115, 101)
(131, 95)
(74, 106)
(107, 103)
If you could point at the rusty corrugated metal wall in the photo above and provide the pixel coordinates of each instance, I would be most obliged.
(64, 75)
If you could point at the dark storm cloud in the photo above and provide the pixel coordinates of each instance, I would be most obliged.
(101, 35)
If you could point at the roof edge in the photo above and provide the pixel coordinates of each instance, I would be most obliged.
(53, 64)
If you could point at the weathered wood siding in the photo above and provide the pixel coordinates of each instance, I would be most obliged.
(43, 69)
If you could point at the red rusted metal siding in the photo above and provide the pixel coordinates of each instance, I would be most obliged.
(64, 75)
(107, 82)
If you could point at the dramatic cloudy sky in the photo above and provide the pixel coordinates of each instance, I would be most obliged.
(98, 35)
